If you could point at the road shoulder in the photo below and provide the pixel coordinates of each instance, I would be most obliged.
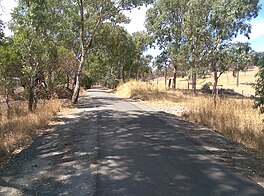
(235, 155)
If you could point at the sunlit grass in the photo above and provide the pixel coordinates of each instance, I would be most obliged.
(227, 80)
(141, 90)
(234, 118)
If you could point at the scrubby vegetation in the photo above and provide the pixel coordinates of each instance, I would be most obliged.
(233, 118)
(23, 125)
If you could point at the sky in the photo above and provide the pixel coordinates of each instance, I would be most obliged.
(137, 24)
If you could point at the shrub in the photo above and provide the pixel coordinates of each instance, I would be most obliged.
(259, 95)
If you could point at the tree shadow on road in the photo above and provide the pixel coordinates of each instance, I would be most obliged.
(136, 153)
(141, 154)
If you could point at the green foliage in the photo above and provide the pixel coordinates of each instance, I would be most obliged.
(9, 61)
(61, 40)
(259, 100)
(164, 23)
(258, 59)
(10, 70)
(53, 40)
(87, 81)
(119, 57)
(196, 34)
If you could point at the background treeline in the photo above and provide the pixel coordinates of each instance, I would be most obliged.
(196, 37)
(64, 44)
(57, 43)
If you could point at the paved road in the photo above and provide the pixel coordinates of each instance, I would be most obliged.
(135, 154)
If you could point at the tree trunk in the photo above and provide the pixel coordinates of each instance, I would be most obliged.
(35, 97)
(165, 76)
(31, 95)
(50, 84)
(189, 78)
(169, 83)
(123, 74)
(138, 72)
(76, 90)
(174, 78)
(9, 109)
(215, 87)
(31, 85)
(68, 82)
(194, 80)
(238, 79)
(30, 98)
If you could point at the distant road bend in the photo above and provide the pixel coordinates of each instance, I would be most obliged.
(110, 147)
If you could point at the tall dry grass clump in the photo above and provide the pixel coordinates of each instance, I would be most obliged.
(141, 90)
(23, 125)
(233, 118)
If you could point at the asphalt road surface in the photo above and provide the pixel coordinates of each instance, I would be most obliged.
(112, 147)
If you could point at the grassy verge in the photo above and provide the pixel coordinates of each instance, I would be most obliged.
(234, 118)
(23, 126)
(141, 90)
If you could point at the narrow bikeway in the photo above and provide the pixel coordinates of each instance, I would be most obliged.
(111, 147)
(141, 155)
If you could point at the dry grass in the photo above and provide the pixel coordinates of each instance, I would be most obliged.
(234, 118)
(227, 80)
(23, 125)
(141, 90)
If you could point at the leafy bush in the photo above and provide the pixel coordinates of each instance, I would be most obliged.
(87, 81)
(259, 95)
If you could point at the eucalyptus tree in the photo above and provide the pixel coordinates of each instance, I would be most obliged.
(161, 63)
(258, 58)
(259, 87)
(73, 24)
(121, 50)
(32, 24)
(10, 70)
(225, 21)
(241, 57)
(194, 28)
(80, 23)
(111, 58)
(66, 67)
(141, 61)
(144, 70)
(198, 32)
(164, 23)
(119, 57)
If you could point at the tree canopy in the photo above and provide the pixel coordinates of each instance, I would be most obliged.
(66, 43)
(198, 33)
